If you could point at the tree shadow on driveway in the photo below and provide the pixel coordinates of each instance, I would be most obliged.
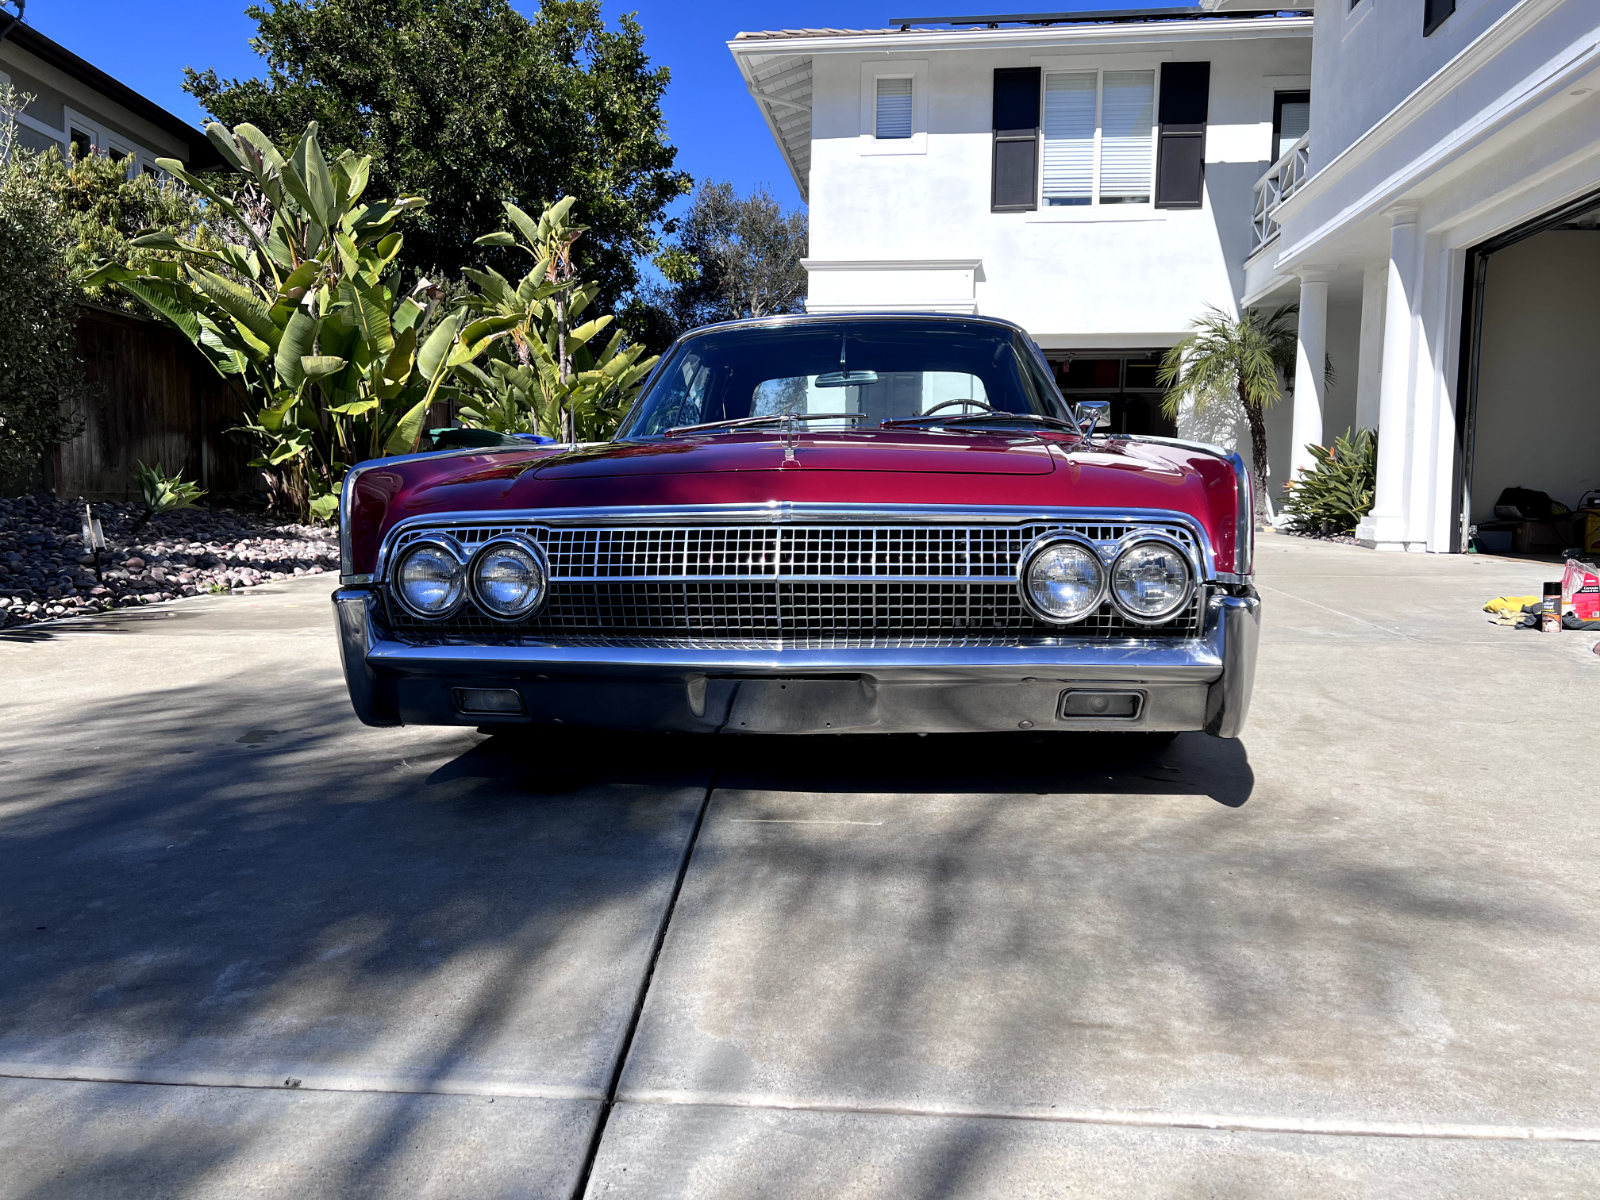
(209, 886)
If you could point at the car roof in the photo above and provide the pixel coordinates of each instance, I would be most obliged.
(833, 318)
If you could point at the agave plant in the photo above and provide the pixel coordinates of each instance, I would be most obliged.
(1334, 495)
(336, 362)
(162, 493)
(546, 378)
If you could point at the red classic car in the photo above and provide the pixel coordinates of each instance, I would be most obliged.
(812, 524)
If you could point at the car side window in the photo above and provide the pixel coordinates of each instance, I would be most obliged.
(684, 398)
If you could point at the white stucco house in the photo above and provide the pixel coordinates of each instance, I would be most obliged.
(1446, 217)
(1103, 178)
(1091, 181)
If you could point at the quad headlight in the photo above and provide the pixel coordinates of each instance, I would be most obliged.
(1151, 580)
(509, 578)
(430, 580)
(1063, 581)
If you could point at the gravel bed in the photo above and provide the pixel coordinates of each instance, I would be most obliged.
(46, 573)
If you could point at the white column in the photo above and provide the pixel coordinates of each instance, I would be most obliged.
(1384, 527)
(1369, 369)
(1310, 381)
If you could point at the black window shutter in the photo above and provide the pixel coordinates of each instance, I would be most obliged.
(1434, 13)
(1181, 153)
(1015, 186)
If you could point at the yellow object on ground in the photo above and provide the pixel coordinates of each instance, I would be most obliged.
(1511, 603)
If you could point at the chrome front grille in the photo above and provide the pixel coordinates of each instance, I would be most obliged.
(805, 585)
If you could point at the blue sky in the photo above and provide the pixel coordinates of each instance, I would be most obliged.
(710, 117)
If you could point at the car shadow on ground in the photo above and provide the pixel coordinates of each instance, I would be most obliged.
(1037, 763)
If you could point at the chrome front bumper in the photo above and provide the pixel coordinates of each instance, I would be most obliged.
(1199, 683)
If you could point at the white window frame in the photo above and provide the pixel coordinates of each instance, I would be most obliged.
(56, 135)
(105, 140)
(1271, 85)
(915, 70)
(1095, 211)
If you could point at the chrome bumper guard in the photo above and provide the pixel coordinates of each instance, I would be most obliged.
(1200, 683)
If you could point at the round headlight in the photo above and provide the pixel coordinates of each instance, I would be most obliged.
(509, 579)
(1151, 580)
(430, 580)
(1063, 582)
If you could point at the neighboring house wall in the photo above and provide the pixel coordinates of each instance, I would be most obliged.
(62, 106)
(1369, 56)
(73, 99)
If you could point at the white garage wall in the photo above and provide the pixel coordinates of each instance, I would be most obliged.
(1539, 374)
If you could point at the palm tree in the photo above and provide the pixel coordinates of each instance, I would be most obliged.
(1243, 356)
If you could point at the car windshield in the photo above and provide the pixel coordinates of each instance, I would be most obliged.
(848, 375)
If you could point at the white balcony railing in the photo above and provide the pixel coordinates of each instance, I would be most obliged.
(1280, 182)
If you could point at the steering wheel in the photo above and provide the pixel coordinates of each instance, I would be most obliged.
(973, 403)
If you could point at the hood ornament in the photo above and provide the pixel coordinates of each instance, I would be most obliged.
(786, 427)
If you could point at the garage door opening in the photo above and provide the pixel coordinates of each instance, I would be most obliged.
(1126, 378)
(1531, 362)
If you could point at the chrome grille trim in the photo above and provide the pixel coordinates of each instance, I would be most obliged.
(797, 576)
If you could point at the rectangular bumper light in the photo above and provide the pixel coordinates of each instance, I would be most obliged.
(1125, 705)
(504, 701)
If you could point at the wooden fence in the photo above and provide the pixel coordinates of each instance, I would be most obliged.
(155, 400)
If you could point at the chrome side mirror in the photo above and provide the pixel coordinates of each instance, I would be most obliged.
(1092, 415)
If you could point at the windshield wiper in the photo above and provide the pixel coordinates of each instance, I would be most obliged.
(738, 422)
(980, 418)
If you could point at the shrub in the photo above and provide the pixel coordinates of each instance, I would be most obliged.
(103, 211)
(41, 379)
(1334, 495)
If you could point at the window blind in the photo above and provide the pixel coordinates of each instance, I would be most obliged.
(1294, 121)
(1069, 104)
(894, 109)
(1127, 118)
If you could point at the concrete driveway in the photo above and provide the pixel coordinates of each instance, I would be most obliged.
(249, 947)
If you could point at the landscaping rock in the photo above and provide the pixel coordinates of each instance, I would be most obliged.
(46, 572)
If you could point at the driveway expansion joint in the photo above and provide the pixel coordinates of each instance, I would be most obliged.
(306, 1083)
(610, 1098)
(1219, 1122)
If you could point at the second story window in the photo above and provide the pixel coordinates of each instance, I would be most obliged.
(894, 109)
(1291, 120)
(1099, 137)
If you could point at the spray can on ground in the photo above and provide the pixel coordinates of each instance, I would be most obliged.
(1550, 618)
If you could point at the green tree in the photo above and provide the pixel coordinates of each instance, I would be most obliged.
(1233, 358)
(469, 103)
(733, 257)
(41, 378)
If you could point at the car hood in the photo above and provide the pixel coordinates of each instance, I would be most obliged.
(920, 451)
(878, 469)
